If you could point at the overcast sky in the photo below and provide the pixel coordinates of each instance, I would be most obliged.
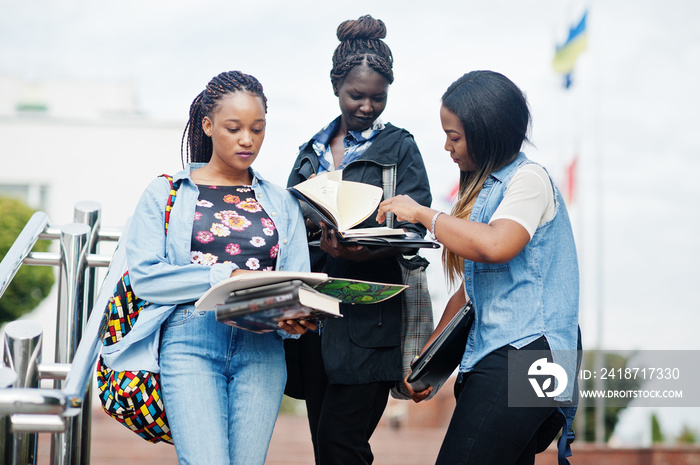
(631, 115)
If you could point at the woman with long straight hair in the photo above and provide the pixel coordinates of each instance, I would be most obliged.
(509, 243)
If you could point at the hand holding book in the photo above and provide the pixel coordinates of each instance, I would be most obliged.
(297, 326)
(259, 301)
(341, 205)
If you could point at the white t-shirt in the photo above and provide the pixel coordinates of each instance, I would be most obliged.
(529, 198)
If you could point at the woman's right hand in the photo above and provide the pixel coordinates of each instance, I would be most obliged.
(297, 326)
(404, 207)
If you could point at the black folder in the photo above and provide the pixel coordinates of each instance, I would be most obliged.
(437, 362)
(410, 240)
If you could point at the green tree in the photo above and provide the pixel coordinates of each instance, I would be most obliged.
(31, 284)
(687, 436)
(657, 436)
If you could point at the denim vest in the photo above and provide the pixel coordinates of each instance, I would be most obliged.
(534, 294)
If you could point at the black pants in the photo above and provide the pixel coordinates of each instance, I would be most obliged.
(342, 417)
(483, 429)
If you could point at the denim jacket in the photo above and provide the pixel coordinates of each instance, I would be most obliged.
(534, 294)
(159, 264)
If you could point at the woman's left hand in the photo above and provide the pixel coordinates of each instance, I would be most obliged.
(329, 243)
(297, 326)
(417, 396)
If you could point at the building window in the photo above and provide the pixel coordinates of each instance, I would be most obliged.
(34, 195)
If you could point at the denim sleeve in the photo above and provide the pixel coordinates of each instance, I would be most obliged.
(297, 250)
(154, 277)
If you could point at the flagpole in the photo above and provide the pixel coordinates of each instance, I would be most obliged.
(600, 258)
(565, 57)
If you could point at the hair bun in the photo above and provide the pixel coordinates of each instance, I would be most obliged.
(365, 27)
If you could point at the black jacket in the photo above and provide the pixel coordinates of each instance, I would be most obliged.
(365, 345)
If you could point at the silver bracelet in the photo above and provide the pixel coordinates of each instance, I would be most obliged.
(432, 225)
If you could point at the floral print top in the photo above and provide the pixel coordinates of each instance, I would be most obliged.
(230, 226)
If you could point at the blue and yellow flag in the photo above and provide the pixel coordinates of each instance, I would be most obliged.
(567, 53)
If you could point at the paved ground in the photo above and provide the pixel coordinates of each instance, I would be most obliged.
(113, 444)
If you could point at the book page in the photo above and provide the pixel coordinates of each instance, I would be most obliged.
(356, 202)
(379, 231)
(347, 203)
(323, 190)
(218, 294)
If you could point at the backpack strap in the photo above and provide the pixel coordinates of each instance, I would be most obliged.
(567, 437)
(171, 199)
(568, 413)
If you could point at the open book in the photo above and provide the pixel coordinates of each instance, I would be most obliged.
(352, 291)
(341, 204)
(258, 301)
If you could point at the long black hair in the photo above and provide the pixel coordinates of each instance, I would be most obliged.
(495, 118)
(361, 44)
(199, 145)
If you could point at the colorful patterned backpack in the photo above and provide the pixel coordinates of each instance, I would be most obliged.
(132, 397)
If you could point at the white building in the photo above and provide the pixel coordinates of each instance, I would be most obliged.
(68, 141)
(62, 142)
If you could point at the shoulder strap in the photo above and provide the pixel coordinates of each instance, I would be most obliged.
(389, 186)
(171, 199)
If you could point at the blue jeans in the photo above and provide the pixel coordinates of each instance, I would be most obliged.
(483, 429)
(222, 388)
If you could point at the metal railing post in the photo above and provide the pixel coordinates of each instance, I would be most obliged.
(89, 213)
(74, 243)
(23, 354)
(8, 379)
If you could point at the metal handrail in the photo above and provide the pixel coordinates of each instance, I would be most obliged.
(33, 409)
(69, 399)
(20, 248)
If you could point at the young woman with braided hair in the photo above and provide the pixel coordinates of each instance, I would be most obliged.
(348, 368)
(221, 386)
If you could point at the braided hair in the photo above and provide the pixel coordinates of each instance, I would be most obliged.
(199, 145)
(361, 44)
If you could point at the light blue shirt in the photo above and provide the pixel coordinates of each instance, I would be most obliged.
(160, 266)
(356, 143)
(534, 294)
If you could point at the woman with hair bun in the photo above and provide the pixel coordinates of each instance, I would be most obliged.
(349, 366)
